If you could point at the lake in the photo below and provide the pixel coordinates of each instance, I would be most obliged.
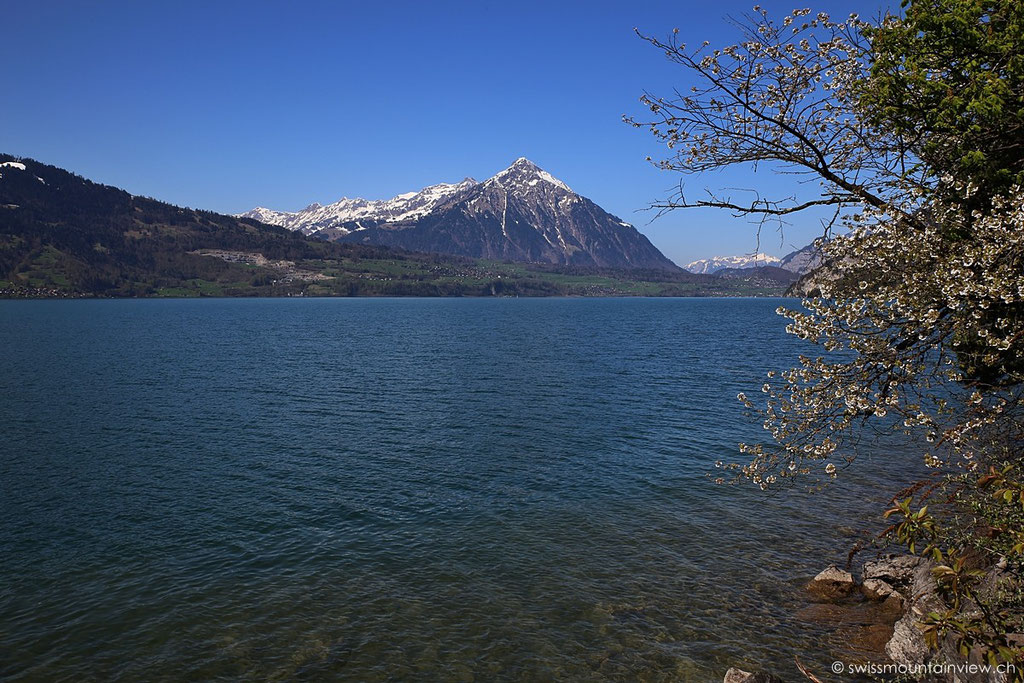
(382, 489)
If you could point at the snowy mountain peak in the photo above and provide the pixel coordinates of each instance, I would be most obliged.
(523, 162)
(525, 172)
(717, 263)
(801, 261)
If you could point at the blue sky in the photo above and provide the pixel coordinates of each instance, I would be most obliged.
(229, 105)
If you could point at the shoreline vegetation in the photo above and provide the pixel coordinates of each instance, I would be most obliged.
(527, 286)
(42, 293)
(409, 278)
(57, 295)
(235, 273)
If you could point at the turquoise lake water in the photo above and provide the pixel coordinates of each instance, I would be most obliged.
(397, 489)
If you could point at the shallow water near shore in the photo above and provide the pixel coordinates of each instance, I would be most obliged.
(376, 489)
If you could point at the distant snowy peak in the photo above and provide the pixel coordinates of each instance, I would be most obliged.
(524, 172)
(269, 215)
(345, 211)
(801, 261)
(713, 265)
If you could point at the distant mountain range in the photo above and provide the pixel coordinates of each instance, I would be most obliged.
(352, 215)
(801, 261)
(522, 213)
(716, 263)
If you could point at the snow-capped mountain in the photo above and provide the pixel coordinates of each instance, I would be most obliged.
(351, 214)
(522, 213)
(713, 265)
(801, 261)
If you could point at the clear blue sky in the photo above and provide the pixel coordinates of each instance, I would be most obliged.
(229, 105)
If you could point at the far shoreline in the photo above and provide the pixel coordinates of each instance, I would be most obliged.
(90, 297)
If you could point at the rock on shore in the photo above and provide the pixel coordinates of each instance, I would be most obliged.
(904, 590)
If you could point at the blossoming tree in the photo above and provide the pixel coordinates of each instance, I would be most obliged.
(912, 131)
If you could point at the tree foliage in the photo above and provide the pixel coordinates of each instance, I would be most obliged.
(950, 78)
(911, 130)
(783, 96)
(919, 313)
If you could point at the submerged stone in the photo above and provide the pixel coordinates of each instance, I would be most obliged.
(832, 584)
(735, 675)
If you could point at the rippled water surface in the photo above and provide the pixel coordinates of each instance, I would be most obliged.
(383, 489)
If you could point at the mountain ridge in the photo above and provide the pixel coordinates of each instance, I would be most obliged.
(522, 213)
(316, 217)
